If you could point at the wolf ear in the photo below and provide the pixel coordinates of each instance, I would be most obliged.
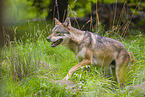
(57, 22)
(67, 22)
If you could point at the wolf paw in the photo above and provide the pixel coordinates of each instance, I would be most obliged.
(67, 77)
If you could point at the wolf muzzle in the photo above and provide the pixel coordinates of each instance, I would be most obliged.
(54, 43)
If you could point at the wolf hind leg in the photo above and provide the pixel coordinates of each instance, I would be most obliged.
(113, 73)
(121, 67)
(112, 70)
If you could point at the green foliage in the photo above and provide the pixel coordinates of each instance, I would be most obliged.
(27, 68)
(28, 65)
(34, 86)
(141, 23)
(16, 11)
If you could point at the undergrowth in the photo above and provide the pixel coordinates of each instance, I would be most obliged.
(27, 68)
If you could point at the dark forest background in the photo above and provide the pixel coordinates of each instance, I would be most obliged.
(110, 15)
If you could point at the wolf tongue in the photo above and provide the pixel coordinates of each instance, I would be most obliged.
(55, 43)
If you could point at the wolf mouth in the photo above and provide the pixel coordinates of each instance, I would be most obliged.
(54, 44)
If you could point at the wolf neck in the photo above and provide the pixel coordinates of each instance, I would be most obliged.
(77, 37)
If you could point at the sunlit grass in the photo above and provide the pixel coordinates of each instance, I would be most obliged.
(27, 68)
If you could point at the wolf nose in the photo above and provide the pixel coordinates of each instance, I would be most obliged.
(48, 39)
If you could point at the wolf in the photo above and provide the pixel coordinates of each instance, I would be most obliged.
(91, 49)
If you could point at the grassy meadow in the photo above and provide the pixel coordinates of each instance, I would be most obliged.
(28, 66)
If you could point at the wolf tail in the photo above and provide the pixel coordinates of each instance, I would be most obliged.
(132, 58)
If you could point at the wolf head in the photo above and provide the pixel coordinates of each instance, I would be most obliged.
(60, 33)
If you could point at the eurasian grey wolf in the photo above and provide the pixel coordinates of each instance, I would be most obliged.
(91, 49)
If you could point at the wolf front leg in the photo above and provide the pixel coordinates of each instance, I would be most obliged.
(76, 67)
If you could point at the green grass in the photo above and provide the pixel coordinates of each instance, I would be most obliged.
(27, 68)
